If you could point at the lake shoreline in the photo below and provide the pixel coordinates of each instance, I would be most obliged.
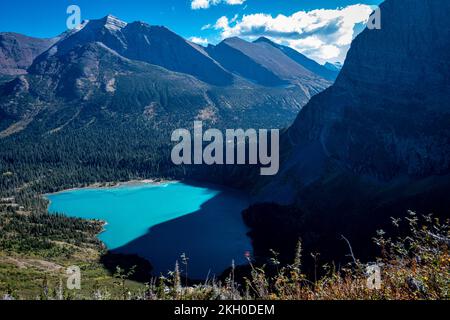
(113, 185)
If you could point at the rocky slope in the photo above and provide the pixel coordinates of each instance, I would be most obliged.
(264, 64)
(152, 44)
(311, 65)
(17, 52)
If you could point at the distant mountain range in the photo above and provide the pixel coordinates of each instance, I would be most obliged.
(373, 145)
(150, 74)
(333, 66)
(17, 52)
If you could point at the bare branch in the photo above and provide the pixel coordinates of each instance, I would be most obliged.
(351, 250)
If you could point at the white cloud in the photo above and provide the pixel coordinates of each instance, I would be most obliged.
(234, 2)
(198, 40)
(207, 26)
(322, 34)
(205, 4)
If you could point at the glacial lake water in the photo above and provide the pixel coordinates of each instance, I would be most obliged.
(160, 222)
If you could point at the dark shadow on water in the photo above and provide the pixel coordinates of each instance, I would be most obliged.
(211, 237)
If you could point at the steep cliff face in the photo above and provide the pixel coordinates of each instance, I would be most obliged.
(370, 147)
(387, 116)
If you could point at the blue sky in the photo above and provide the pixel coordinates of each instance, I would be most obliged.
(205, 21)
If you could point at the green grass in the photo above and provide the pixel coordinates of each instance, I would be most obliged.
(29, 282)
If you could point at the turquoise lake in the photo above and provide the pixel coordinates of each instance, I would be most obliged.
(160, 222)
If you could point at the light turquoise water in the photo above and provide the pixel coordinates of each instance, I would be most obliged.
(130, 210)
(159, 222)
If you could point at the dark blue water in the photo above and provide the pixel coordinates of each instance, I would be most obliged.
(160, 222)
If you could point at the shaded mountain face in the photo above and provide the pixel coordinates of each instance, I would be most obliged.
(311, 65)
(17, 52)
(109, 69)
(386, 116)
(377, 142)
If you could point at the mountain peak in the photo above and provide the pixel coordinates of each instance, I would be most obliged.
(335, 66)
(113, 23)
(263, 39)
(233, 40)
